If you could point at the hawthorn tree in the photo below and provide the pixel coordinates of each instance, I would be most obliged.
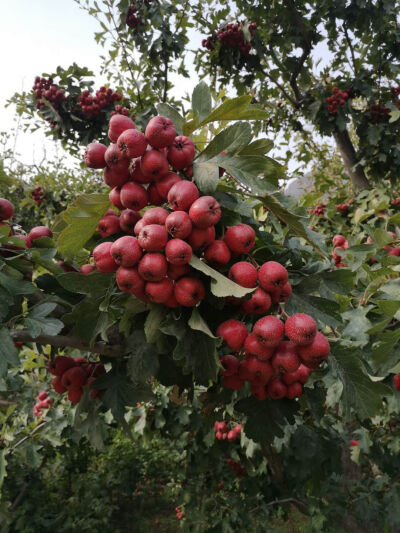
(134, 347)
(330, 68)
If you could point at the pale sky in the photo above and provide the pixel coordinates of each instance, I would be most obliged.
(38, 35)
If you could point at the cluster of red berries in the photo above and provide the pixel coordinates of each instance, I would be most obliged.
(73, 374)
(45, 88)
(120, 110)
(152, 266)
(339, 243)
(237, 468)
(93, 105)
(343, 208)
(223, 432)
(43, 402)
(6, 213)
(37, 195)
(133, 20)
(336, 100)
(378, 113)
(233, 37)
(318, 210)
(276, 368)
(179, 513)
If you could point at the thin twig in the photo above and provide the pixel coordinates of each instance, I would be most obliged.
(63, 341)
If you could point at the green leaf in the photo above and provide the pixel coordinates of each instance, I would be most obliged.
(82, 219)
(230, 109)
(359, 393)
(197, 322)
(266, 419)
(259, 147)
(166, 110)
(201, 101)
(381, 237)
(221, 286)
(358, 324)
(3, 466)
(258, 174)
(386, 352)
(231, 140)
(45, 326)
(325, 311)
(95, 283)
(153, 322)
(206, 176)
(195, 351)
(16, 286)
(8, 352)
(121, 392)
(143, 358)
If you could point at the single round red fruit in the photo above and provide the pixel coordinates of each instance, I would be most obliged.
(253, 346)
(154, 165)
(276, 389)
(200, 238)
(301, 329)
(133, 196)
(38, 232)
(153, 237)
(269, 330)
(128, 220)
(126, 251)
(286, 358)
(117, 125)
(86, 269)
(240, 239)
(132, 143)
(160, 132)
(178, 224)
(177, 271)
(108, 225)
(313, 354)
(234, 333)
(258, 304)
(129, 280)
(244, 274)
(114, 197)
(165, 184)
(396, 381)
(181, 152)
(159, 291)
(153, 267)
(294, 390)
(230, 364)
(189, 291)
(272, 275)
(103, 259)
(217, 253)
(155, 215)
(178, 252)
(205, 212)
(182, 195)
(94, 155)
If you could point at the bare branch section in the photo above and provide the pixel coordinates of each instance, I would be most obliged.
(63, 341)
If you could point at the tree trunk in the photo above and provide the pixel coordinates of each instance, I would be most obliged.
(354, 170)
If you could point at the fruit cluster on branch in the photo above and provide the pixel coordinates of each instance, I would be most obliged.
(37, 195)
(43, 402)
(336, 100)
(224, 432)
(93, 105)
(71, 375)
(44, 88)
(232, 36)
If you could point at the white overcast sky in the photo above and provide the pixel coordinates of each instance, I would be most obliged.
(38, 35)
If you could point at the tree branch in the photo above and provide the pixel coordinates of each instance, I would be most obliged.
(352, 165)
(165, 92)
(351, 48)
(280, 87)
(63, 341)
